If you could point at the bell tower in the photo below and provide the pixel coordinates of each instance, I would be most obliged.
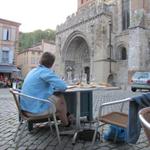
(140, 4)
(139, 38)
(82, 3)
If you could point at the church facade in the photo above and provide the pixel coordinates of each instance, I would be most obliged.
(106, 40)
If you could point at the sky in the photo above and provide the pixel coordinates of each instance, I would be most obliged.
(37, 14)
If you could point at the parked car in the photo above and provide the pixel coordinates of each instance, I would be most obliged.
(140, 80)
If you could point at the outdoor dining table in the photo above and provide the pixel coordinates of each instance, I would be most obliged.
(77, 92)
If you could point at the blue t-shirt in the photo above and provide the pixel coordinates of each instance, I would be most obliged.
(40, 82)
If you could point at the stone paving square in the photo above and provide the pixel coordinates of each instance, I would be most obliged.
(42, 139)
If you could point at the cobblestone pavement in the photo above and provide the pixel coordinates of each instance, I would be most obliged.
(41, 138)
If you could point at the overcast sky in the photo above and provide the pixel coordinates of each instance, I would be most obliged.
(37, 14)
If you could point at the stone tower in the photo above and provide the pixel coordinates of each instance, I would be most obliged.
(139, 36)
(83, 3)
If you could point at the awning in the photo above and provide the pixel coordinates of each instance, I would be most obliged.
(8, 69)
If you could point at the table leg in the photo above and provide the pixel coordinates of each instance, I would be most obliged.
(78, 112)
(74, 138)
(77, 118)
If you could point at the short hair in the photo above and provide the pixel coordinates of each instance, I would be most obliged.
(47, 59)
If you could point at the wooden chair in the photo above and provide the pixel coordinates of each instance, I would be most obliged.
(28, 117)
(144, 115)
(118, 118)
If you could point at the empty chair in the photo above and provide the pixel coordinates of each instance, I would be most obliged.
(117, 118)
(144, 115)
(30, 118)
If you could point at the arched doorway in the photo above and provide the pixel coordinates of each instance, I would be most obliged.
(112, 79)
(77, 57)
(122, 61)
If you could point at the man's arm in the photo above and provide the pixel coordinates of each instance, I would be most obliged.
(54, 80)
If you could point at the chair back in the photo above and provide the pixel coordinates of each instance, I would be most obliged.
(17, 94)
(144, 115)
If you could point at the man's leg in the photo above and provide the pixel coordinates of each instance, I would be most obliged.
(61, 108)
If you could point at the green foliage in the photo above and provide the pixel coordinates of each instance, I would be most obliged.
(29, 39)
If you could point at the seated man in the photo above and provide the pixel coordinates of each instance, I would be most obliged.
(42, 82)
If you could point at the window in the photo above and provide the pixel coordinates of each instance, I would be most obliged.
(125, 14)
(123, 54)
(141, 75)
(33, 61)
(82, 1)
(6, 34)
(5, 56)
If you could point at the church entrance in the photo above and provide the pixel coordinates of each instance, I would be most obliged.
(77, 60)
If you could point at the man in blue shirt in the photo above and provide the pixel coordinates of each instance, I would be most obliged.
(42, 82)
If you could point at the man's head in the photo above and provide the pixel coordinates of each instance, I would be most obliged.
(47, 59)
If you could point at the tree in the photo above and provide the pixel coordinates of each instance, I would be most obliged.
(29, 39)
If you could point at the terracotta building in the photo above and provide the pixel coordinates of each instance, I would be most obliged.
(105, 39)
(29, 58)
(9, 34)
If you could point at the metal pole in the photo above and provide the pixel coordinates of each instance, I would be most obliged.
(110, 28)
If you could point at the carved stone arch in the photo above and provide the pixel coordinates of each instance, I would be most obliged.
(112, 79)
(70, 38)
(76, 54)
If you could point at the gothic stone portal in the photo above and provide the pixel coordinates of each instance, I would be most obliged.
(77, 59)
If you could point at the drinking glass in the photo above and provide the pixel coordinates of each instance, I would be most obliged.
(92, 79)
(84, 78)
(14, 85)
(76, 79)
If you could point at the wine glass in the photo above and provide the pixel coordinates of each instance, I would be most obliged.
(76, 79)
(92, 79)
(84, 78)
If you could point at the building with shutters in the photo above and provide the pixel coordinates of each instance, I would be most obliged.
(29, 58)
(9, 35)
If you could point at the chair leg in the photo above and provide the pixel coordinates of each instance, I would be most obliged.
(17, 131)
(57, 130)
(30, 125)
(50, 124)
(102, 132)
(94, 136)
(20, 135)
(115, 138)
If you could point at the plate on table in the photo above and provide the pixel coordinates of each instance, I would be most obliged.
(71, 86)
